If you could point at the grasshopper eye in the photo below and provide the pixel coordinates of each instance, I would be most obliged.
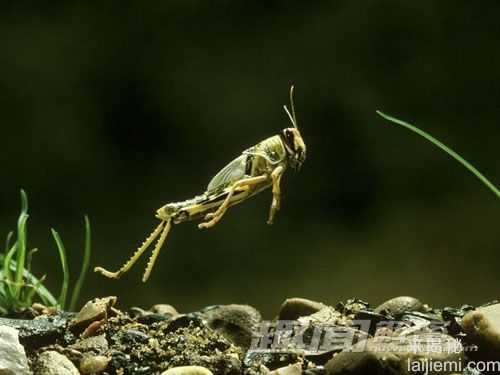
(289, 138)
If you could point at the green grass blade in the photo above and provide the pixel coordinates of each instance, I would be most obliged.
(8, 266)
(21, 252)
(64, 264)
(3, 305)
(21, 243)
(24, 202)
(5, 297)
(8, 240)
(47, 298)
(41, 291)
(29, 259)
(34, 290)
(85, 266)
(5, 276)
(445, 148)
(7, 282)
(18, 286)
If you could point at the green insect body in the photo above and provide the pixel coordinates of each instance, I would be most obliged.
(256, 169)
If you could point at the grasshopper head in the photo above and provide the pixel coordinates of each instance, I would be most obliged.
(292, 139)
(295, 147)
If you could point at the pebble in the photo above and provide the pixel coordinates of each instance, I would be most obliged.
(94, 343)
(188, 370)
(183, 321)
(294, 308)
(483, 327)
(327, 315)
(354, 363)
(235, 322)
(352, 306)
(37, 332)
(54, 363)
(399, 305)
(295, 369)
(94, 364)
(151, 318)
(133, 336)
(338, 322)
(92, 311)
(165, 309)
(13, 359)
(271, 360)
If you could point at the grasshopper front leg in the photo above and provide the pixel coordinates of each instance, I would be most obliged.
(215, 217)
(275, 205)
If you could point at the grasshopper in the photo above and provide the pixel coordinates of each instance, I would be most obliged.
(256, 169)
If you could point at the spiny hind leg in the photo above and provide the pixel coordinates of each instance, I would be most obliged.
(275, 205)
(214, 217)
(156, 250)
(134, 258)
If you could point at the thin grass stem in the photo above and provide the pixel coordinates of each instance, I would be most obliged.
(445, 148)
(64, 265)
(85, 266)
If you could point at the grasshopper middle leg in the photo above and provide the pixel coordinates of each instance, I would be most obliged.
(275, 205)
(214, 217)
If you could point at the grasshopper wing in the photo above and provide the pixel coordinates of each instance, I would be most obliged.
(231, 173)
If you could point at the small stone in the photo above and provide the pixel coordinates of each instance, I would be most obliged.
(133, 336)
(93, 310)
(294, 308)
(151, 318)
(333, 323)
(94, 343)
(352, 306)
(354, 363)
(183, 321)
(164, 309)
(295, 369)
(35, 333)
(188, 370)
(92, 328)
(483, 329)
(235, 322)
(54, 363)
(270, 360)
(13, 359)
(93, 364)
(399, 305)
(327, 315)
(318, 370)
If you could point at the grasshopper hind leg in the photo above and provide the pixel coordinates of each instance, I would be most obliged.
(157, 249)
(241, 188)
(133, 259)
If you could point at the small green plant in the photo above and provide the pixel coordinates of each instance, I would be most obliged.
(19, 288)
(445, 148)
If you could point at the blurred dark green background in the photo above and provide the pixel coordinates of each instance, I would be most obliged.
(115, 109)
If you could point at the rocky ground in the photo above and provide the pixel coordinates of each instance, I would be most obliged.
(306, 337)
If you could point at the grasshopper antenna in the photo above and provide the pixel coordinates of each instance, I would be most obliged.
(292, 116)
